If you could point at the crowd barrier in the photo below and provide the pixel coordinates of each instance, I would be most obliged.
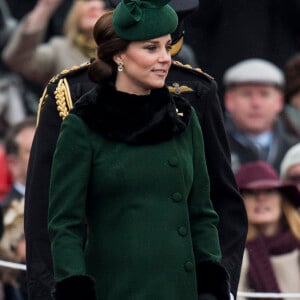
(268, 295)
(12, 265)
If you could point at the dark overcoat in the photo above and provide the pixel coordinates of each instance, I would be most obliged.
(201, 91)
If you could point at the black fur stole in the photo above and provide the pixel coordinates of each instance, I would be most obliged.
(133, 119)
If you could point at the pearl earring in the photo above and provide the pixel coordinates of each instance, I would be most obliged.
(120, 67)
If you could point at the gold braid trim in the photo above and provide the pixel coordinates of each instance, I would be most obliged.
(68, 94)
(199, 70)
(63, 98)
(41, 102)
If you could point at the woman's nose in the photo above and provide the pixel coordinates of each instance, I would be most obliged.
(165, 55)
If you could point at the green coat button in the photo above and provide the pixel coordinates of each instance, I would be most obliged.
(182, 231)
(177, 197)
(173, 161)
(189, 266)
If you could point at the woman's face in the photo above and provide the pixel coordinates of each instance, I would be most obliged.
(263, 209)
(145, 65)
(90, 12)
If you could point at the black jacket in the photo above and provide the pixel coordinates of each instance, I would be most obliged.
(201, 91)
(244, 152)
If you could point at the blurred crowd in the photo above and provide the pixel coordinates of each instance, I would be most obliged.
(251, 48)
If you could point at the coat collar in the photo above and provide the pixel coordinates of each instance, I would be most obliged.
(131, 118)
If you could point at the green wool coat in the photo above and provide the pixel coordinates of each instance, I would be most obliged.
(149, 217)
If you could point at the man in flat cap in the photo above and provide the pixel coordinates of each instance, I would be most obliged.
(253, 100)
(198, 88)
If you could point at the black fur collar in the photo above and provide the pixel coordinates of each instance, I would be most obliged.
(133, 119)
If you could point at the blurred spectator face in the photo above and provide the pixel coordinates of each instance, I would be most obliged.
(263, 207)
(295, 100)
(18, 162)
(293, 175)
(254, 107)
(90, 12)
(21, 250)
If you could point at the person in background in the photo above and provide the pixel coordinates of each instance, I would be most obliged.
(13, 284)
(253, 101)
(17, 145)
(12, 103)
(20, 8)
(155, 161)
(13, 11)
(291, 113)
(272, 257)
(290, 166)
(201, 91)
(7, 23)
(5, 176)
(27, 54)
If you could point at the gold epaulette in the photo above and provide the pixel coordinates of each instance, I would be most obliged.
(62, 91)
(63, 98)
(189, 67)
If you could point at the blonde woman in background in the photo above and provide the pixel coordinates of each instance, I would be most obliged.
(27, 54)
(272, 256)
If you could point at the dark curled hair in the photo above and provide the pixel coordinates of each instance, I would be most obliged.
(108, 45)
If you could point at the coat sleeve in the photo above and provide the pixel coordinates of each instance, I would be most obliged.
(224, 193)
(70, 173)
(39, 272)
(212, 277)
(38, 256)
(203, 217)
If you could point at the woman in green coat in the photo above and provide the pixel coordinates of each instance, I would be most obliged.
(129, 215)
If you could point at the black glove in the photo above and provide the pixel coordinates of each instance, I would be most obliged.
(207, 296)
(213, 281)
(75, 288)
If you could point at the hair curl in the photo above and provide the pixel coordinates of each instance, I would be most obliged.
(108, 45)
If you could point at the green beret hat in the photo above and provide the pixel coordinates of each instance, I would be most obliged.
(137, 20)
